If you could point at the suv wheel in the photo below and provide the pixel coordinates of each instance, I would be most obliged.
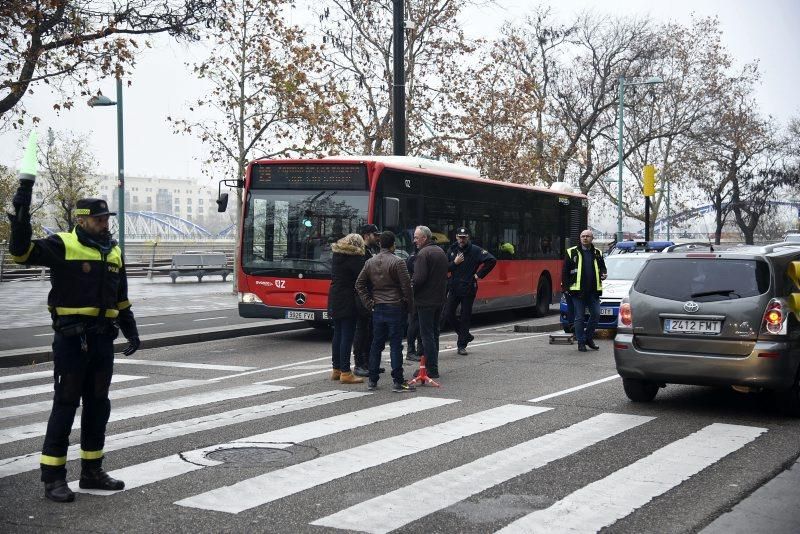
(639, 390)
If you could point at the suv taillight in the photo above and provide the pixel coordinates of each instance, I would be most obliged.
(625, 318)
(774, 321)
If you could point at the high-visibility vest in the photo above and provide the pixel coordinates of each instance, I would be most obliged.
(577, 257)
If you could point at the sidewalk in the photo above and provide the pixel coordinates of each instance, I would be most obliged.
(24, 303)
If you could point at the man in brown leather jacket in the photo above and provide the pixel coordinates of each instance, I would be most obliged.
(384, 287)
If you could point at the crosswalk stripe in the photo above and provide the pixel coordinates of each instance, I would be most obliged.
(26, 376)
(142, 436)
(293, 479)
(160, 387)
(178, 464)
(605, 501)
(48, 388)
(183, 365)
(8, 435)
(400, 507)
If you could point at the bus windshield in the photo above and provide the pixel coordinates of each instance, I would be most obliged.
(290, 232)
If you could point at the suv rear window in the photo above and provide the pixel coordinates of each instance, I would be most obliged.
(703, 280)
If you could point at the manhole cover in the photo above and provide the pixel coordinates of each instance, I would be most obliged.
(250, 456)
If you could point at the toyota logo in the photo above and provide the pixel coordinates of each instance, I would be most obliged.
(300, 299)
(691, 306)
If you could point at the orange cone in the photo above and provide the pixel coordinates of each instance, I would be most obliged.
(422, 377)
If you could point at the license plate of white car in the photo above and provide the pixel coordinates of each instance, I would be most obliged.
(606, 311)
(306, 315)
(692, 326)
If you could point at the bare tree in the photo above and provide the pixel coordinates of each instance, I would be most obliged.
(59, 41)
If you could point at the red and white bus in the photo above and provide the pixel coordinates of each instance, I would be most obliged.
(294, 210)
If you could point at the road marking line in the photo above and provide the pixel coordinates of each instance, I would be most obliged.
(398, 508)
(8, 435)
(133, 438)
(44, 335)
(177, 464)
(281, 483)
(48, 388)
(277, 367)
(604, 502)
(44, 406)
(150, 324)
(291, 377)
(309, 367)
(576, 388)
(182, 365)
(26, 376)
(209, 319)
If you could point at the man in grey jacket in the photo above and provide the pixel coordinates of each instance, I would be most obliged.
(430, 294)
(385, 289)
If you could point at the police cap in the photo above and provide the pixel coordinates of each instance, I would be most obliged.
(462, 231)
(93, 207)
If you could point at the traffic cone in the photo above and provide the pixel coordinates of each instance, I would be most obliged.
(422, 377)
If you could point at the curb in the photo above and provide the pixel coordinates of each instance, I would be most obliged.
(547, 327)
(34, 355)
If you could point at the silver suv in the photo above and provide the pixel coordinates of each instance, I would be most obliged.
(714, 318)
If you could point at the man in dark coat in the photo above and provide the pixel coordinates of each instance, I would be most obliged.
(430, 293)
(468, 264)
(347, 262)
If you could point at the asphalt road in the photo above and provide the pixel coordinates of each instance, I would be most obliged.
(262, 440)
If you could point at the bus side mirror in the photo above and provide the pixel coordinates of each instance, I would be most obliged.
(391, 212)
(222, 202)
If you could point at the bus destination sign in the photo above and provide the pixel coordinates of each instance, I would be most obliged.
(309, 176)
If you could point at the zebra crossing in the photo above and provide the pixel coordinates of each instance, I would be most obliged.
(596, 505)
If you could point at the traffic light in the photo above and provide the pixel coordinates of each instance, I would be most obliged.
(649, 174)
(793, 270)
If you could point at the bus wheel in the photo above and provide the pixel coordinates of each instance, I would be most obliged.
(543, 296)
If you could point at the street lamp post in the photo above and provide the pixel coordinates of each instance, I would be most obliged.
(620, 158)
(101, 100)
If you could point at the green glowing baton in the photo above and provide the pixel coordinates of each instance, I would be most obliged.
(27, 171)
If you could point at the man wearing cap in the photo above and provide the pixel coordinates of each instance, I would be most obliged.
(468, 264)
(88, 302)
(363, 336)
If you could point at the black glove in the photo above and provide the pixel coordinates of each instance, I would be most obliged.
(133, 345)
(23, 196)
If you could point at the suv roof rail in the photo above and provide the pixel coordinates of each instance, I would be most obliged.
(689, 246)
(772, 247)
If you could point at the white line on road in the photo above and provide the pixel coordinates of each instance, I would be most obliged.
(576, 388)
(133, 438)
(8, 435)
(277, 367)
(25, 376)
(400, 507)
(205, 366)
(44, 406)
(177, 464)
(48, 388)
(46, 334)
(209, 319)
(296, 478)
(602, 503)
(149, 324)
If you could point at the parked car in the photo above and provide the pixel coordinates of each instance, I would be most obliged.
(792, 237)
(727, 318)
(622, 269)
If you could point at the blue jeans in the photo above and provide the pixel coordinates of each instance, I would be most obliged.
(387, 323)
(584, 331)
(428, 318)
(344, 330)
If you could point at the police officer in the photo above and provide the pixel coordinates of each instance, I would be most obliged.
(468, 264)
(582, 279)
(89, 303)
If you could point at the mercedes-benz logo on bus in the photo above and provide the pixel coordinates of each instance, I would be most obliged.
(691, 306)
(300, 299)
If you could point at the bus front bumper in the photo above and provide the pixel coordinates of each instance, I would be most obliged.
(258, 310)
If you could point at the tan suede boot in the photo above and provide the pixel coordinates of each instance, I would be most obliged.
(350, 378)
(335, 374)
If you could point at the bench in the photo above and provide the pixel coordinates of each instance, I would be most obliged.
(197, 264)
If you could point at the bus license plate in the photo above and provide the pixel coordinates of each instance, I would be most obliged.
(306, 315)
(606, 311)
(692, 326)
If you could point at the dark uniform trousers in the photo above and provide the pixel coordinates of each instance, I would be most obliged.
(83, 367)
(459, 323)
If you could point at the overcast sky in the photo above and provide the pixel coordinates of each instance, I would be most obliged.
(766, 30)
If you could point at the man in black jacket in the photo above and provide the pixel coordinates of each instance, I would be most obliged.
(468, 264)
(582, 279)
(430, 292)
(88, 302)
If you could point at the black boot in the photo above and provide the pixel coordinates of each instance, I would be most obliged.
(96, 478)
(58, 491)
